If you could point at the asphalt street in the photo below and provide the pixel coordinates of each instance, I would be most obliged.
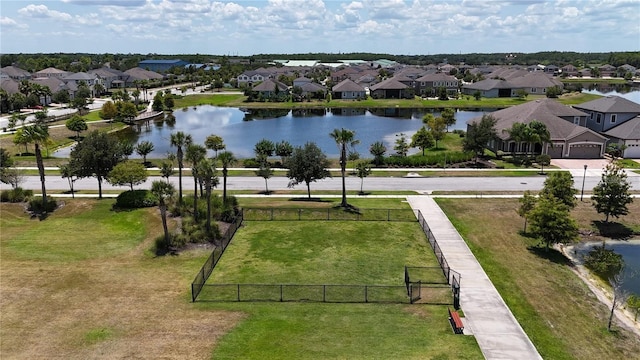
(419, 184)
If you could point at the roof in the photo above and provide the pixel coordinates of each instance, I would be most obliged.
(54, 84)
(389, 84)
(301, 63)
(489, 84)
(547, 111)
(610, 104)
(10, 86)
(105, 72)
(312, 87)
(270, 85)
(436, 77)
(51, 70)
(13, 71)
(628, 130)
(347, 85)
(142, 74)
(535, 79)
(80, 76)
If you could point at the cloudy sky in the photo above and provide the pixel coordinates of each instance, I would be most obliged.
(245, 27)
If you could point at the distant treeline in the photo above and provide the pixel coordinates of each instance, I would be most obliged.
(82, 62)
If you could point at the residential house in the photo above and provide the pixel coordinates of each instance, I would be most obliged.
(50, 72)
(313, 90)
(627, 135)
(111, 78)
(607, 70)
(568, 140)
(429, 84)
(535, 83)
(270, 88)
(392, 89)
(252, 77)
(301, 81)
(569, 70)
(608, 112)
(137, 74)
(491, 88)
(54, 84)
(347, 89)
(15, 73)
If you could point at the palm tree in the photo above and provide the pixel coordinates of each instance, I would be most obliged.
(226, 158)
(541, 132)
(377, 149)
(163, 191)
(194, 154)
(215, 143)
(344, 138)
(38, 134)
(180, 140)
(516, 134)
(207, 173)
(143, 149)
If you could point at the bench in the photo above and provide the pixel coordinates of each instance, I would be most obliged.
(456, 322)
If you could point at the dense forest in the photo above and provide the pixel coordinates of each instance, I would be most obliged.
(83, 62)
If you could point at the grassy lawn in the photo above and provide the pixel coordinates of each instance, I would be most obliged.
(319, 252)
(558, 312)
(82, 284)
(464, 102)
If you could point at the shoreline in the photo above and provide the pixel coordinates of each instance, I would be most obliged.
(624, 316)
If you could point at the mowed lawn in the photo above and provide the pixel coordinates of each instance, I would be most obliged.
(83, 284)
(556, 309)
(333, 252)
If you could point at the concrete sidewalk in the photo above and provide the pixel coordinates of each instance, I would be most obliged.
(498, 333)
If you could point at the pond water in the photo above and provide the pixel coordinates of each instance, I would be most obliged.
(622, 90)
(630, 251)
(241, 130)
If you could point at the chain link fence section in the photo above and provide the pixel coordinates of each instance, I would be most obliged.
(326, 214)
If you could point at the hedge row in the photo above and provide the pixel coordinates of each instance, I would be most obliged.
(428, 159)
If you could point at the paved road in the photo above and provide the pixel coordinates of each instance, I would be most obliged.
(423, 185)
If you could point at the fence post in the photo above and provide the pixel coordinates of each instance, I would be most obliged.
(193, 296)
(299, 213)
(238, 292)
(328, 214)
(388, 214)
(366, 294)
(271, 214)
(324, 293)
(280, 292)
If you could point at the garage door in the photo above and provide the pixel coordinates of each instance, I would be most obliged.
(585, 151)
(632, 151)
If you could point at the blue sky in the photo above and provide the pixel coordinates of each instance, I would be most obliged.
(301, 26)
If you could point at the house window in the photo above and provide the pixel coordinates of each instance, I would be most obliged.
(591, 116)
(533, 90)
(598, 118)
(614, 117)
(576, 120)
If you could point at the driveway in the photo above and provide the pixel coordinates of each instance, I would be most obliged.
(576, 166)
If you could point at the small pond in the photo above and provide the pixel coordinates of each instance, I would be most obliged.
(630, 251)
(241, 130)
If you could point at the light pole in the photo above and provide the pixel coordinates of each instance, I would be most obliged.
(583, 177)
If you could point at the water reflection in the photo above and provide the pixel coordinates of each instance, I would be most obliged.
(297, 127)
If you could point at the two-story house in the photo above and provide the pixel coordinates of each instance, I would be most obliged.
(429, 84)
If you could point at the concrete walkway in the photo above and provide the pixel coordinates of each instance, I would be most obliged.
(488, 318)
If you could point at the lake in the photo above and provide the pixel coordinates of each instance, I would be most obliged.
(241, 130)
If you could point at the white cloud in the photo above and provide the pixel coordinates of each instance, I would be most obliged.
(9, 23)
(42, 11)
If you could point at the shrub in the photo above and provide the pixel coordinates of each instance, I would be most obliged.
(35, 205)
(433, 159)
(15, 195)
(250, 163)
(136, 199)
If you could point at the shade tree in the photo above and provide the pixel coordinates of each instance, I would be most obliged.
(307, 164)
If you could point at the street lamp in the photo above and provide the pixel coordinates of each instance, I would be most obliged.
(583, 177)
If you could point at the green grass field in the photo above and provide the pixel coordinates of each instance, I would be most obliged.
(333, 252)
(558, 312)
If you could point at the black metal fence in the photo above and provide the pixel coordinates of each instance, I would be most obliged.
(212, 260)
(452, 276)
(309, 214)
(430, 293)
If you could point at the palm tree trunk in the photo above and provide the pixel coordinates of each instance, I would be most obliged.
(224, 185)
(163, 215)
(195, 196)
(343, 168)
(41, 172)
(180, 177)
(208, 208)
(266, 187)
(99, 186)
